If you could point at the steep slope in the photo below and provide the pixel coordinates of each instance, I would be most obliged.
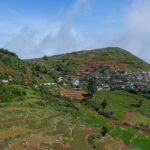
(9, 61)
(11, 66)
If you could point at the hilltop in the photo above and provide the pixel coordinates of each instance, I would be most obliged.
(114, 54)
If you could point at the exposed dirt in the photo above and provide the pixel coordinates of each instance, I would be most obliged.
(118, 122)
(73, 93)
(110, 64)
(82, 70)
(12, 132)
(88, 66)
(110, 143)
(127, 116)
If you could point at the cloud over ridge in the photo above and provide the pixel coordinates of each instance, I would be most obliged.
(64, 36)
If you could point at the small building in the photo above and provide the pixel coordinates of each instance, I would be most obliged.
(5, 81)
(76, 82)
(123, 87)
(99, 88)
(106, 87)
(130, 86)
(60, 79)
(47, 84)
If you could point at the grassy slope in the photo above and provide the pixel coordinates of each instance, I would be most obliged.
(139, 116)
(105, 54)
(23, 69)
(59, 119)
(12, 65)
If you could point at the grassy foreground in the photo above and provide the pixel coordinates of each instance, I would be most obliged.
(71, 125)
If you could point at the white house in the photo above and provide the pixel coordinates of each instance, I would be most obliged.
(60, 79)
(47, 84)
(5, 81)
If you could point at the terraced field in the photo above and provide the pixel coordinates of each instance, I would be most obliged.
(24, 128)
(69, 124)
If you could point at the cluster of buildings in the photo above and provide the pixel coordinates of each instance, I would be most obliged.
(107, 79)
(116, 79)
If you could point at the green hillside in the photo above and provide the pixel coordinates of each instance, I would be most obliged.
(72, 60)
(43, 69)
(35, 115)
(11, 66)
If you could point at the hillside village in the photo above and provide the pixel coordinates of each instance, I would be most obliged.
(60, 89)
(107, 78)
(103, 99)
(114, 78)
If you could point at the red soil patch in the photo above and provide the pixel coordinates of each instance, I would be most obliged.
(127, 116)
(145, 129)
(89, 65)
(73, 93)
(83, 70)
(118, 122)
(110, 64)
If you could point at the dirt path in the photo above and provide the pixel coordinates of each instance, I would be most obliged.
(127, 117)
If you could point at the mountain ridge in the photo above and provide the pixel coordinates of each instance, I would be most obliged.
(105, 54)
(41, 69)
(90, 50)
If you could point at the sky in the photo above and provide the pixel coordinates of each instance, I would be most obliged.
(34, 28)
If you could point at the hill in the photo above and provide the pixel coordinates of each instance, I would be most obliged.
(39, 111)
(76, 63)
(11, 66)
(105, 54)
(111, 56)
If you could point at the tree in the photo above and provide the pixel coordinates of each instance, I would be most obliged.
(104, 104)
(45, 57)
(92, 87)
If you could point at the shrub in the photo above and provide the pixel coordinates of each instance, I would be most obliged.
(5, 51)
(104, 131)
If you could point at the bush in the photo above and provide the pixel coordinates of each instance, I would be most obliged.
(10, 93)
(92, 139)
(5, 51)
(104, 131)
(45, 57)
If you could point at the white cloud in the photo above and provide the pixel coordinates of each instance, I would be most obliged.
(136, 35)
(39, 39)
(56, 39)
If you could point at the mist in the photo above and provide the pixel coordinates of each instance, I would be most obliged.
(30, 43)
(136, 34)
